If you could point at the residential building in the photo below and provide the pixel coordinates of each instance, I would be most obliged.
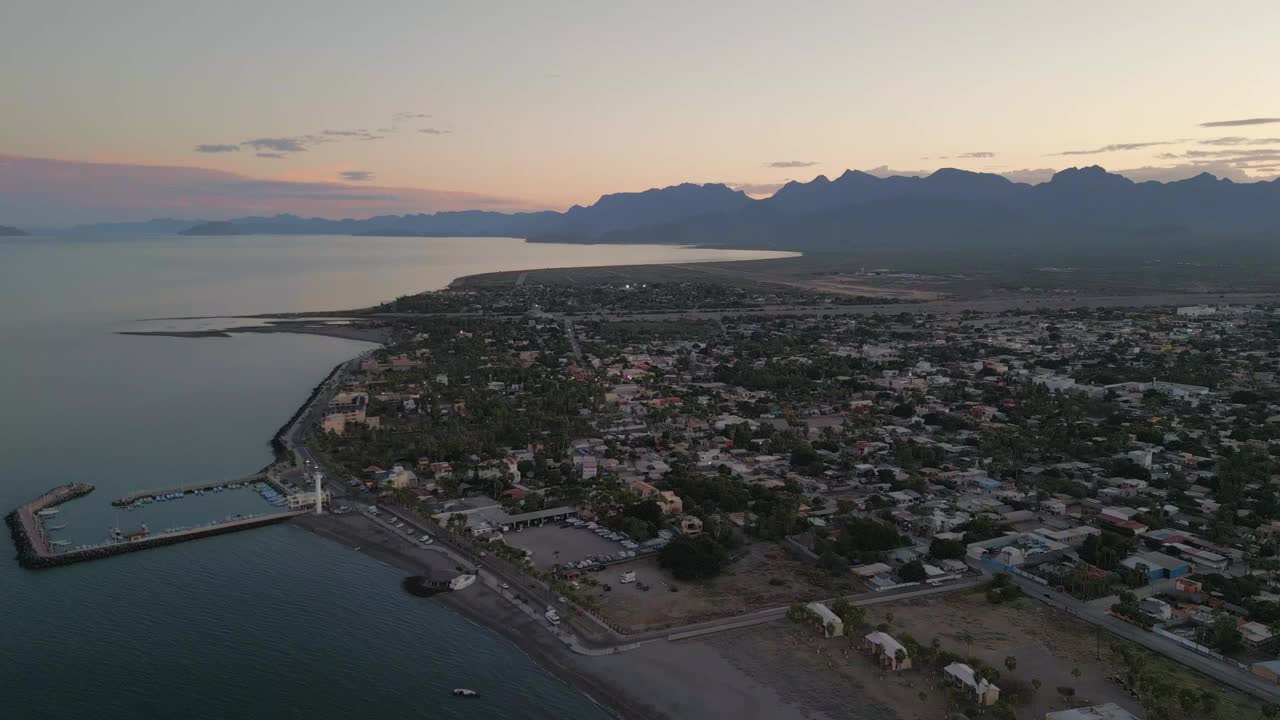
(888, 652)
(832, 625)
(691, 526)
(980, 690)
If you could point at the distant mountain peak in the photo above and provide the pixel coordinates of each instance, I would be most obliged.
(1089, 176)
(1206, 179)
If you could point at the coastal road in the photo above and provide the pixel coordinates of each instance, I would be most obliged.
(1215, 669)
(493, 575)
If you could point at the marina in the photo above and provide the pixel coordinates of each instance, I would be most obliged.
(147, 497)
(36, 549)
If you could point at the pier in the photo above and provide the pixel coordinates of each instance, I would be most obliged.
(35, 551)
(25, 521)
(128, 500)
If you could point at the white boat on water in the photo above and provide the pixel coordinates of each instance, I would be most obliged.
(48, 512)
(464, 692)
(59, 543)
(57, 527)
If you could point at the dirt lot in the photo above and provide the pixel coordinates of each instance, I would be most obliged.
(1046, 644)
(828, 676)
(572, 544)
(745, 587)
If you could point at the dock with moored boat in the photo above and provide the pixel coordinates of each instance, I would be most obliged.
(36, 550)
(145, 496)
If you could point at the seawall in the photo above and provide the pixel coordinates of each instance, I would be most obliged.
(31, 559)
(277, 440)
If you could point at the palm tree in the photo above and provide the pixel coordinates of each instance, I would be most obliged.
(899, 657)
(1010, 663)
(966, 637)
(1035, 684)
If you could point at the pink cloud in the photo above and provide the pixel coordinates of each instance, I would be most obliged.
(61, 192)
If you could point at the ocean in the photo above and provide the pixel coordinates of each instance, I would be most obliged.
(269, 623)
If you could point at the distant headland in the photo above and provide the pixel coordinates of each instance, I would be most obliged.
(217, 227)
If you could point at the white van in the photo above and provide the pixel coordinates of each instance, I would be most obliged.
(627, 577)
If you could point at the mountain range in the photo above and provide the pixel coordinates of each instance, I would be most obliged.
(950, 210)
(10, 231)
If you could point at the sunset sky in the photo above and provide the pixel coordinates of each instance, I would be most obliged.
(357, 108)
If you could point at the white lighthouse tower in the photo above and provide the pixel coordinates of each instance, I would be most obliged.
(319, 476)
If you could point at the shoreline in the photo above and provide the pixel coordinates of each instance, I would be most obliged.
(481, 606)
(344, 332)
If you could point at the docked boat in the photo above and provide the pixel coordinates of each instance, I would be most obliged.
(47, 512)
(462, 581)
(57, 527)
(464, 692)
(59, 543)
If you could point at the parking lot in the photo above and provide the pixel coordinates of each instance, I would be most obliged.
(552, 544)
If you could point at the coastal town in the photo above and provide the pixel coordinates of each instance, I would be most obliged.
(893, 492)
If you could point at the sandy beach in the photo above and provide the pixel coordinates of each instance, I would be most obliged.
(661, 680)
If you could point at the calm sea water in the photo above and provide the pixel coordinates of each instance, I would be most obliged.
(270, 623)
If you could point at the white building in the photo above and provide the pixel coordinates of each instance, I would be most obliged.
(1197, 310)
(832, 625)
(306, 499)
(963, 676)
(884, 648)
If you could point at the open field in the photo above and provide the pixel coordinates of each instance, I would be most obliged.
(766, 576)
(829, 676)
(1047, 644)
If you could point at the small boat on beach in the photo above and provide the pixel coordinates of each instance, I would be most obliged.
(464, 692)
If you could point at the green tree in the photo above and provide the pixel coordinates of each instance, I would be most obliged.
(1226, 637)
(913, 572)
(694, 558)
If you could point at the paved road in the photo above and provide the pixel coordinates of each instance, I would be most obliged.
(1215, 669)
(573, 338)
